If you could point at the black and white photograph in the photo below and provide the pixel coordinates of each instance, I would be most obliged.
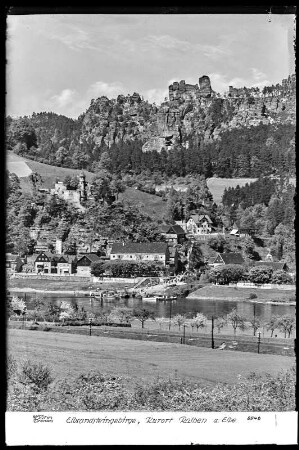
(150, 227)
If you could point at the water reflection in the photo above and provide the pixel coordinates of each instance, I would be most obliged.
(162, 309)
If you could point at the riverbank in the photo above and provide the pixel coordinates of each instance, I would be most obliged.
(56, 287)
(227, 293)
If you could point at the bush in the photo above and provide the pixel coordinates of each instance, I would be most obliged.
(252, 295)
(95, 391)
(45, 328)
(11, 366)
(38, 375)
(33, 327)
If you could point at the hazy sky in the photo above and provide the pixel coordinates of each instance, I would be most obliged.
(60, 62)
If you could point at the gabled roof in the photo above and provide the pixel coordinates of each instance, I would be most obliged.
(274, 265)
(172, 229)
(232, 258)
(142, 247)
(199, 217)
(91, 256)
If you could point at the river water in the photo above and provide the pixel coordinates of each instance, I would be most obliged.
(182, 305)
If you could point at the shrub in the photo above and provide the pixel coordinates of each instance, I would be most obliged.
(11, 366)
(252, 295)
(37, 375)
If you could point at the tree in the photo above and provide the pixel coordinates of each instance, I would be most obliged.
(143, 315)
(255, 324)
(272, 324)
(281, 277)
(161, 321)
(230, 273)
(179, 320)
(97, 268)
(220, 323)
(37, 307)
(199, 321)
(124, 315)
(286, 324)
(260, 274)
(236, 320)
(17, 305)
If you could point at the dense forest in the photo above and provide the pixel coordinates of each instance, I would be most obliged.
(241, 152)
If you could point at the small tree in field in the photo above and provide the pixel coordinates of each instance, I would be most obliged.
(236, 320)
(17, 305)
(255, 324)
(179, 320)
(143, 315)
(272, 324)
(199, 321)
(124, 315)
(220, 323)
(160, 321)
(286, 324)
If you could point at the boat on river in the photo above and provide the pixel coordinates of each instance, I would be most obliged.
(149, 299)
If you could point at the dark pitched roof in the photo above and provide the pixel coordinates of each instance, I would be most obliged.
(91, 256)
(199, 217)
(142, 247)
(232, 258)
(274, 265)
(172, 229)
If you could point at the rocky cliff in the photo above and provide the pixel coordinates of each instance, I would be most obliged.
(191, 111)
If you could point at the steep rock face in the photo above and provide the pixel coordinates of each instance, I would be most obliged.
(191, 111)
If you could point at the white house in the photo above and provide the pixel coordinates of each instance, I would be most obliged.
(145, 251)
(199, 224)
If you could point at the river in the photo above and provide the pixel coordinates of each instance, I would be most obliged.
(182, 305)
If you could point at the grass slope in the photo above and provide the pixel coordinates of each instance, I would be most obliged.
(69, 355)
(217, 185)
(238, 293)
(148, 203)
(47, 172)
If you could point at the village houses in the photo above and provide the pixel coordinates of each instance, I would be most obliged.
(199, 224)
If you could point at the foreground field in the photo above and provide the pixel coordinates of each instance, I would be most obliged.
(238, 293)
(70, 355)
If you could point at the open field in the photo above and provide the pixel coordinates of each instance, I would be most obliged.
(217, 185)
(22, 167)
(69, 355)
(147, 203)
(237, 293)
(28, 284)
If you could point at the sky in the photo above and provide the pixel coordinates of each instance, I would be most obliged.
(60, 62)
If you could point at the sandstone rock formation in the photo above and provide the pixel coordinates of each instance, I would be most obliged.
(192, 110)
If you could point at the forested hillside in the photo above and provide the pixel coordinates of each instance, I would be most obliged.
(244, 134)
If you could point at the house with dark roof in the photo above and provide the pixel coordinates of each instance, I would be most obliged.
(274, 265)
(242, 232)
(143, 251)
(50, 263)
(223, 259)
(199, 224)
(84, 264)
(174, 234)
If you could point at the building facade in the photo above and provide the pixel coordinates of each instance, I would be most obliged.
(199, 224)
(147, 251)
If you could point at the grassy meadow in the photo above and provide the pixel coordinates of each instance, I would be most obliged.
(68, 355)
(238, 293)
